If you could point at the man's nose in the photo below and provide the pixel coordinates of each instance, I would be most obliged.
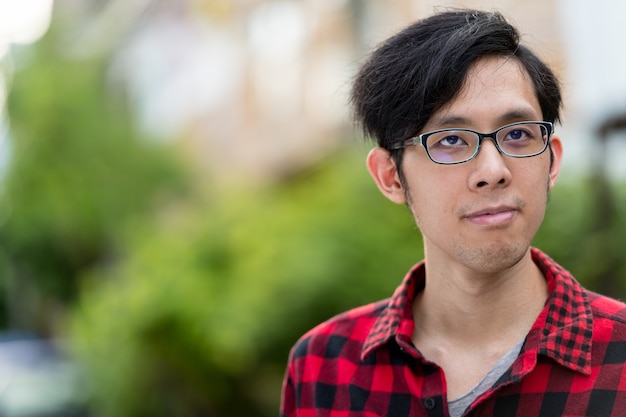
(490, 168)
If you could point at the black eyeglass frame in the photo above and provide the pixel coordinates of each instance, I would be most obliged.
(421, 140)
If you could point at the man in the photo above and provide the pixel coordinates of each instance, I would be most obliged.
(485, 325)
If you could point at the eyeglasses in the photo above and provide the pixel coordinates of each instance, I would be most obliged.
(454, 146)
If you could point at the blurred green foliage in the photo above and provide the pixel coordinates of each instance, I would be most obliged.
(186, 303)
(210, 302)
(584, 230)
(79, 173)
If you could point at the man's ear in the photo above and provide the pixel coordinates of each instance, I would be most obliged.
(557, 155)
(383, 170)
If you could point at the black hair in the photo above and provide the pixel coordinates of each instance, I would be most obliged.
(423, 67)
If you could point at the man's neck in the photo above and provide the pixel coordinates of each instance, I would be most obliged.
(458, 303)
(466, 321)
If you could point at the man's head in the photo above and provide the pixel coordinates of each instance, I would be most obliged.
(478, 198)
(423, 67)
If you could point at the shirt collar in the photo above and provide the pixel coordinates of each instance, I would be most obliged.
(564, 327)
(562, 331)
(396, 320)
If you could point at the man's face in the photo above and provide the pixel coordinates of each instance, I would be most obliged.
(481, 214)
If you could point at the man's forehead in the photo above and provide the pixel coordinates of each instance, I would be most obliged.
(498, 88)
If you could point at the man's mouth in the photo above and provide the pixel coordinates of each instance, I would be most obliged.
(492, 216)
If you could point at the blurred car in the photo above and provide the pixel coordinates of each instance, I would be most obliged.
(37, 380)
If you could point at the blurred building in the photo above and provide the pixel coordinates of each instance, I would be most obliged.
(593, 38)
(257, 88)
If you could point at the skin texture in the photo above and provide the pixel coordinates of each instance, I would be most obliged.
(483, 292)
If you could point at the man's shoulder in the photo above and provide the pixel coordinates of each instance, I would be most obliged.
(607, 308)
(340, 335)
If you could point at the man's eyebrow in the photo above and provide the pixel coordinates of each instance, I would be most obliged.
(520, 114)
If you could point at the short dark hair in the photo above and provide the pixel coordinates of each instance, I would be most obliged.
(422, 68)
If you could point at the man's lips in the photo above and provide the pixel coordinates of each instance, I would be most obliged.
(492, 216)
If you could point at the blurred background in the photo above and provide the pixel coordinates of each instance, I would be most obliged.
(183, 194)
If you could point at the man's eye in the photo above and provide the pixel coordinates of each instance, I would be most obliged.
(517, 134)
(452, 140)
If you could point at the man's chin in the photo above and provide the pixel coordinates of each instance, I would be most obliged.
(494, 258)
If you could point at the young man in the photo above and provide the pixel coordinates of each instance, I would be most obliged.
(485, 325)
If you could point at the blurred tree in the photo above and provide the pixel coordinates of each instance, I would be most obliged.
(213, 300)
(572, 235)
(79, 173)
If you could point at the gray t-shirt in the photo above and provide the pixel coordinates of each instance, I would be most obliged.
(458, 406)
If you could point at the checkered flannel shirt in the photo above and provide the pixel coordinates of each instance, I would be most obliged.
(362, 362)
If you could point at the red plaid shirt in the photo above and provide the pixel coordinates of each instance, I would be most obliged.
(362, 362)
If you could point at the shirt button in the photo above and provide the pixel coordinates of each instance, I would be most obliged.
(430, 403)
